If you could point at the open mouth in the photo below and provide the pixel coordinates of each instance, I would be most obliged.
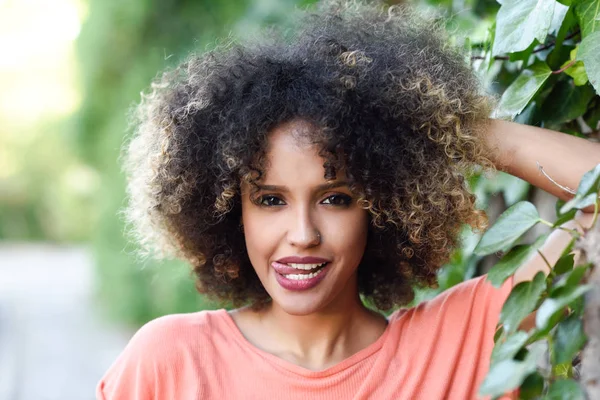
(298, 277)
(305, 271)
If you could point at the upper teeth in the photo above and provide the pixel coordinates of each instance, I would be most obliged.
(306, 266)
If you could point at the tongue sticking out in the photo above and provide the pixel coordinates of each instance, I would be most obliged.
(285, 269)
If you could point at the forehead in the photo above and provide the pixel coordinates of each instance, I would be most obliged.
(295, 134)
(293, 155)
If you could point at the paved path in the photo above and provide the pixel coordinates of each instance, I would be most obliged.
(53, 343)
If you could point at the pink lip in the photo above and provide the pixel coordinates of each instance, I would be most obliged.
(302, 260)
(297, 285)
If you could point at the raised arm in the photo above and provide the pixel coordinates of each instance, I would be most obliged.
(516, 149)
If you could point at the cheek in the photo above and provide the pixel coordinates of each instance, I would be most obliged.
(350, 233)
(261, 239)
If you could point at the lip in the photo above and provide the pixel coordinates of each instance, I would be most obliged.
(299, 285)
(302, 260)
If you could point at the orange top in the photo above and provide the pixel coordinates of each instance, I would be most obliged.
(439, 349)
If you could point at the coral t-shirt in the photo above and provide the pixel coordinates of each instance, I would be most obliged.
(439, 349)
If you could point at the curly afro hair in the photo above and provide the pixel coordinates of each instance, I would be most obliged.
(397, 107)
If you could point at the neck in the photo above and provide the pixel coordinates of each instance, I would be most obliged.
(325, 338)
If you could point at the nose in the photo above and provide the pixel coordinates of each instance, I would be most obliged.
(303, 232)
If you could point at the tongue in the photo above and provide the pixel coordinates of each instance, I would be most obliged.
(285, 269)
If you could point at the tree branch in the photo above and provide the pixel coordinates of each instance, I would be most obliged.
(542, 48)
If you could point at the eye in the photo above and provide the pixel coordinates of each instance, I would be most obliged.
(338, 200)
(270, 201)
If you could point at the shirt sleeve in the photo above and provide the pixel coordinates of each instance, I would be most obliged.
(449, 339)
(138, 370)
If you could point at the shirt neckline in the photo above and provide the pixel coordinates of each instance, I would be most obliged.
(294, 368)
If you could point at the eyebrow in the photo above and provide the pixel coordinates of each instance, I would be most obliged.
(325, 186)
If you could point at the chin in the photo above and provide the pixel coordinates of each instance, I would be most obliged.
(298, 307)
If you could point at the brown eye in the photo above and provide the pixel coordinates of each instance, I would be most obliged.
(270, 201)
(338, 200)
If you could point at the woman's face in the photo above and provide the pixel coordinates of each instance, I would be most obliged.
(303, 215)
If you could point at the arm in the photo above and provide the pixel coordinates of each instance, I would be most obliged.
(515, 149)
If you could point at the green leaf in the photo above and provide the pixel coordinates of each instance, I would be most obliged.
(569, 338)
(516, 190)
(513, 260)
(522, 90)
(589, 53)
(553, 305)
(520, 22)
(532, 387)
(522, 301)
(567, 102)
(525, 117)
(565, 217)
(560, 11)
(590, 182)
(569, 281)
(511, 224)
(564, 264)
(580, 202)
(586, 191)
(577, 70)
(564, 389)
(592, 117)
(510, 347)
(588, 13)
(508, 374)
(537, 334)
(558, 52)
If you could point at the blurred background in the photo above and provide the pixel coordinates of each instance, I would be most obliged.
(71, 291)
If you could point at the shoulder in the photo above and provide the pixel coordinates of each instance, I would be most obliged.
(160, 348)
(163, 337)
(473, 296)
(177, 327)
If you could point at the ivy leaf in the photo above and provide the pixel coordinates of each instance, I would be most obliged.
(513, 260)
(522, 90)
(564, 264)
(557, 54)
(532, 387)
(569, 280)
(555, 304)
(560, 11)
(569, 338)
(588, 13)
(564, 217)
(522, 301)
(571, 102)
(516, 190)
(508, 374)
(564, 389)
(586, 191)
(510, 347)
(589, 53)
(590, 182)
(580, 202)
(511, 224)
(520, 22)
(577, 70)
(592, 117)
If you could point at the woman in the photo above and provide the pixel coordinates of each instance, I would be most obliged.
(303, 174)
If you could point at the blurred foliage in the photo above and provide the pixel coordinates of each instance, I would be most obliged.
(122, 46)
